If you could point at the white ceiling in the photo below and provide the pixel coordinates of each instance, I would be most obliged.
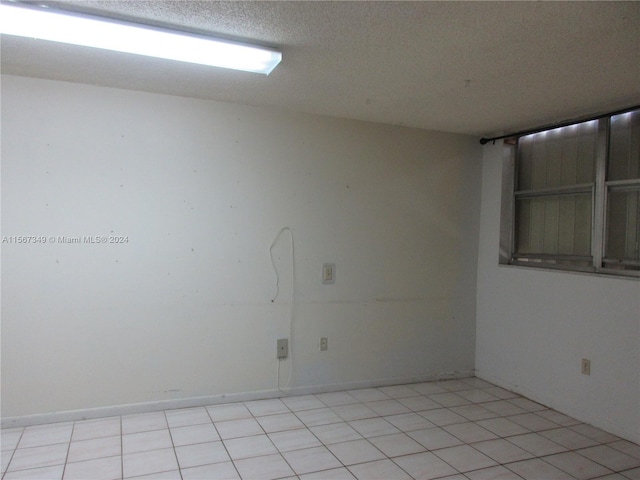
(467, 67)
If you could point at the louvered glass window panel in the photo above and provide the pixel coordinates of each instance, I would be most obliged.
(559, 157)
(622, 242)
(624, 147)
(558, 225)
(623, 229)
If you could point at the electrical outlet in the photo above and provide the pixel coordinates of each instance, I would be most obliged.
(283, 347)
(586, 366)
(324, 344)
(328, 273)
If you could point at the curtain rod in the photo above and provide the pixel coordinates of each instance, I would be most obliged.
(566, 123)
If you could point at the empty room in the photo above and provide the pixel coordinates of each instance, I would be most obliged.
(320, 240)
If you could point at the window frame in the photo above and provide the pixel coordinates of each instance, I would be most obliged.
(600, 190)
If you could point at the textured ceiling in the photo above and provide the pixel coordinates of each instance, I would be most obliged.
(466, 67)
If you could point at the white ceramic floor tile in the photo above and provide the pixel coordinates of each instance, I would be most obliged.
(171, 475)
(238, 428)
(373, 427)
(356, 451)
(610, 457)
(387, 433)
(559, 418)
(629, 448)
(94, 448)
(333, 399)
(425, 466)
(335, 433)
(333, 474)
(303, 402)
(434, 438)
(201, 454)
(502, 427)
(427, 388)
(536, 444)
(268, 467)
(533, 422)
(477, 382)
(280, 422)
(187, 416)
(501, 393)
(504, 408)
(294, 440)
(536, 469)
(387, 407)
(230, 411)
(577, 466)
(419, 403)
(449, 399)
(246, 447)
(43, 473)
(568, 438)
(311, 460)
(453, 385)
(477, 396)
(502, 451)
(217, 471)
(397, 445)
(465, 458)
(41, 435)
(320, 416)
(381, 469)
(145, 463)
(97, 469)
(474, 412)
(267, 407)
(89, 429)
(143, 422)
(632, 474)
(594, 433)
(469, 432)
(493, 473)
(526, 404)
(10, 437)
(442, 417)
(368, 395)
(408, 422)
(36, 457)
(357, 411)
(399, 391)
(145, 441)
(6, 457)
(194, 434)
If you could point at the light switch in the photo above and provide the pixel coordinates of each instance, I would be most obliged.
(328, 273)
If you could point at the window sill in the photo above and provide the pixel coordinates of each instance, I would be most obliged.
(602, 273)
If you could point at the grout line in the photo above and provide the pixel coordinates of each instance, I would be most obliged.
(221, 440)
(173, 445)
(121, 448)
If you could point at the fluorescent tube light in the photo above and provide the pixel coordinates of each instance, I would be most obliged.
(108, 34)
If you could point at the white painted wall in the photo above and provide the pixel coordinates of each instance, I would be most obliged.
(535, 326)
(201, 189)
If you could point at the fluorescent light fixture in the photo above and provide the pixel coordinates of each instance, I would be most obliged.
(125, 37)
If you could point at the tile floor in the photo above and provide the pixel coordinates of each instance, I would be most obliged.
(455, 429)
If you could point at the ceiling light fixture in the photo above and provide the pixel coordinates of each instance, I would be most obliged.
(97, 32)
